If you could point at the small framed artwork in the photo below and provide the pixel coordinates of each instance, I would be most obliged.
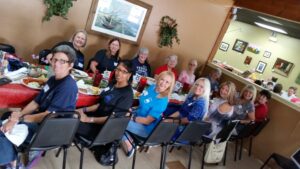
(248, 60)
(224, 46)
(298, 79)
(267, 54)
(240, 46)
(261, 66)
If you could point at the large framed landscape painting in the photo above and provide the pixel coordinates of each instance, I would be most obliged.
(125, 19)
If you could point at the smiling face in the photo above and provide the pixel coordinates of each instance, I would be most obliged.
(199, 88)
(262, 99)
(192, 65)
(163, 83)
(142, 57)
(172, 62)
(79, 40)
(224, 91)
(247, 95)
(121, 74)
(60, 65)
(114, 47)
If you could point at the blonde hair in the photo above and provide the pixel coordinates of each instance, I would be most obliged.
(250, 88)
(206, 92)
(169, 90)
(231, 91)
(79, 31)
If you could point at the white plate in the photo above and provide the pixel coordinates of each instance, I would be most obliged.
(89, 90)
(79, 74)
(26, 82)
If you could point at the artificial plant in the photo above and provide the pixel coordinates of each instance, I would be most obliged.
(168, 32)
(58, 8)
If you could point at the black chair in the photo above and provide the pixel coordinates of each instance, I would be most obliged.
(160, 135)
(222, 136)
(57, 130)
(257, 129)
(191, 136)
(112, 131)
(283, 162)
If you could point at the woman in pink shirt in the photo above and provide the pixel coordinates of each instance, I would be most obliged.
(188, 76)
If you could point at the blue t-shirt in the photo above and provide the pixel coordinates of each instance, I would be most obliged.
(151, 105)
(193, 109)
(141, 69)
(62, 95)
(105, 62)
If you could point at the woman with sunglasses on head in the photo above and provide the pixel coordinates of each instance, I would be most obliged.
(153, 102)
(106, 59)
(188, 76)
(59, 94)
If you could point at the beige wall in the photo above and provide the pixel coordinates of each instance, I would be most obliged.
(286, 48)
(199, 24)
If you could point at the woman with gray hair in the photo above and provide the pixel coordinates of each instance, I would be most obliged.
(58, 94)
(140, 63)
(169, 66)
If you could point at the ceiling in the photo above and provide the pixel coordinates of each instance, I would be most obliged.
(250, 16)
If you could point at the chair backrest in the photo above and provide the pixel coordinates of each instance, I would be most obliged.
(162, 133)
(194, 131)
(259, 126)
(56, 130)
(113, 130)
(247, 129)
(226, 131)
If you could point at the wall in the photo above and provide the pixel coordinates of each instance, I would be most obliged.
(21, 26)
(286, 48)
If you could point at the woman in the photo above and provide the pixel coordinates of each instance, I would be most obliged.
(59, 94)
(153, 102)
(77, 42)
(214, 77)
(106, 59)
(140, 63)
(261, 105)
(117, 97)
(221, 108)
(195, 106)
(244, 109)
(170, 66)
(188, 76)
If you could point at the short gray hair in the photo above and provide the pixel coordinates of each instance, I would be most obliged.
(144, 50)
(70, 52)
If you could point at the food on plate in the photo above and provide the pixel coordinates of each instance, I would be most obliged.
(34, 83)
(90, 90)
(93, 90)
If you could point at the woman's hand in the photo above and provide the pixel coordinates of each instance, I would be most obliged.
(83, 117)
(8, 126)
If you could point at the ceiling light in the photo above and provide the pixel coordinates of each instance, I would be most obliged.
(270, 20)
(271, 28)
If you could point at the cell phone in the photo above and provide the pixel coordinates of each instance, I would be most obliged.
(4, 80)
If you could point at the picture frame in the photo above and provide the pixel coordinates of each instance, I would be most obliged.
(261, 66)
(224, 46)
(267, 54)
(240, 46)
(282, 67)
(248, 60)
(125, 19)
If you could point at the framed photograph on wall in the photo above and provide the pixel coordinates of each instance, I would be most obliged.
(224, 46)
(267, 54)
(261, 66)
(248, 60)
(282, 67)
(125, 19)
(240, 46)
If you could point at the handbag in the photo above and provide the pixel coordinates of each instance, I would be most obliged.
(215, 152)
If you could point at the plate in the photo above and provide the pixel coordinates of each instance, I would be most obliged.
(79, 74)
(89, 90)
(33, 83)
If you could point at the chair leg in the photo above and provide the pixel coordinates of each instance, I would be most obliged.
(116, 145)
(250, 147)
(64, 158)
(163, 156)
(241, 149)
(190, 157)
(224, 159)
(171, 149)
(236, 148)
(266, 162)
(81, 156)
(133, 160)
(203, 155)
(58, 152)
(18, 161)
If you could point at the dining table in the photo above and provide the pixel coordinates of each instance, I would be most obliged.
(15, 95)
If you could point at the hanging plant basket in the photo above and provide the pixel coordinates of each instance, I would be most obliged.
(57, 8)
(168, 32)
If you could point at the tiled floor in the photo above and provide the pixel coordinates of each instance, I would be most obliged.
(148, 160)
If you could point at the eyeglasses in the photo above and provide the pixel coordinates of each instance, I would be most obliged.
(122, 71)
(61, 61)
(192, 64)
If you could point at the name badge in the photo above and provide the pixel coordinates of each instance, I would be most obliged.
(46, 88)
(106, 89)
(115, 63)
(80, 64)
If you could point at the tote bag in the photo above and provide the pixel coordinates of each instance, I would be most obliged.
(215, 152)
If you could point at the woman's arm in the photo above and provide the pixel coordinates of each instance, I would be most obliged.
(250, 117)
(144, 120)
(93, 66)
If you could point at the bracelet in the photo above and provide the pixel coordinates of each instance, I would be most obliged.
(84, 110)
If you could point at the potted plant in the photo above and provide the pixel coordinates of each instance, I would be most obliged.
(57, 8)
(168, 32)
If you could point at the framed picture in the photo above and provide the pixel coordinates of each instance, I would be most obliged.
(282, 67)
(267, 54)
(298, 79)
(248, 60)
(125, 19)
(224, 46)
(261, 66)
(240, 46)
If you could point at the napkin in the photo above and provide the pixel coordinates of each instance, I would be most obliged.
(18, 74)
(18, 134)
